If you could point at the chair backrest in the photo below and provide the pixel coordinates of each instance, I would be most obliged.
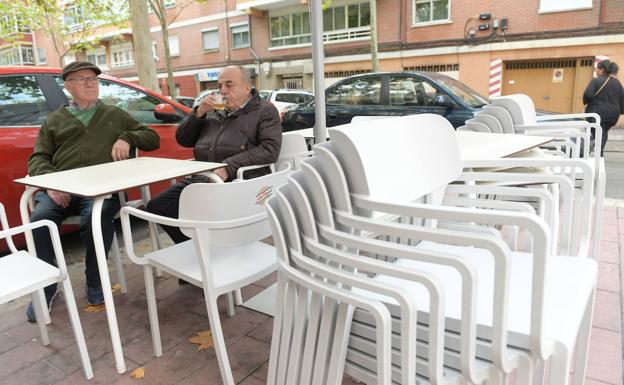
(294, 150)
(363, 118)
(503, 117)
(313, 316)
(475, 126)
(519, 106)
(490, 121)
(380, 161)
(239, 207)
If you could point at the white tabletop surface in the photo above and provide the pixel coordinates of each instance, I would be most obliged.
(111, 177)
(481, 145)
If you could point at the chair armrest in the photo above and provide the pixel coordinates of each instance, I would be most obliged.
(212, 176)
(7, 233)
(242, 170)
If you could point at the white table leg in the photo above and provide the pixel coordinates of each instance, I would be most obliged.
(98, 241)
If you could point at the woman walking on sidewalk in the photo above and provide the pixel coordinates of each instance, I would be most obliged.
(605, 96)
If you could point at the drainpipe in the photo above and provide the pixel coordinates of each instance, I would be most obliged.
(254, 53)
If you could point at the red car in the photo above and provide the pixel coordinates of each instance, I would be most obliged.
(29, 94)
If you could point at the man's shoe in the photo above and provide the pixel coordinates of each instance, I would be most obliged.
(50, 295)
(95, 296)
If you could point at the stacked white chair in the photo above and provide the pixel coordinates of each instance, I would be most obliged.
(226, 223)
(571, 133)
(530, 307)
(21, 273)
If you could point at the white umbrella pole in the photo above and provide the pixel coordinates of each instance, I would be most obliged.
(318, 57)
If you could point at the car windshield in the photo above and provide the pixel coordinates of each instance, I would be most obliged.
(467, 94)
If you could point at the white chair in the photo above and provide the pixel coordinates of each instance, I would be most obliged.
(535, 313)
(522, 112)
(22, 273)
(226, 222)
(313, 315)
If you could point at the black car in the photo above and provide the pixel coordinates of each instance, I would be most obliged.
(391, 94)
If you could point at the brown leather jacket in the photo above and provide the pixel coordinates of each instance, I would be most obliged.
(249, 136)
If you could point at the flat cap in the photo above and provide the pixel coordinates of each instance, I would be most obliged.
(78, 66)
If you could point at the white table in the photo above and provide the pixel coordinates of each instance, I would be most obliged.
(478, 145)
(99, 182)
(482, 145)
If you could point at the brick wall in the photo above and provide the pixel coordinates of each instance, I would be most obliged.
(521, 19)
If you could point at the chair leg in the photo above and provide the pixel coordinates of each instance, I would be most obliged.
(121, 277)
(560, 364)
(229, 299)
(152, 309)
(597, 233)
(238, 297)
(582, 344)
(217, 337)
(72, 310)
(538, 372)
(524, 372)
(44, 309)
(40, 311)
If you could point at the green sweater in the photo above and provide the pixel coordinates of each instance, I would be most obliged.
(64, 143)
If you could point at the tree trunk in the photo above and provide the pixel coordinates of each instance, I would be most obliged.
(170, 80)
(373, 27)
(143, 55)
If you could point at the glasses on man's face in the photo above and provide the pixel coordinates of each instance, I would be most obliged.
(83, 80)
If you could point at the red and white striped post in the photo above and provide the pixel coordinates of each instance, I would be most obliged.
(496, 77)
(598, 59)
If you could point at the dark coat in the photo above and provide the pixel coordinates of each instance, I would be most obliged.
(248, 136)
(608, 103)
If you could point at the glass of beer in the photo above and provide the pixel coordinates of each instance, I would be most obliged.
(218, 101)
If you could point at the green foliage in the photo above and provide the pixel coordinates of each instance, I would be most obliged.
(69, 25)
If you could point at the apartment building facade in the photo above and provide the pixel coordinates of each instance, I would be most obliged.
(545, 48)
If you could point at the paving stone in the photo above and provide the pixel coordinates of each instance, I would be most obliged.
(264, 331)
(605, 356)
(7, 342)
(609, 252)
(39, 373)
(245, 356)
(609, 277)
(607, 311)
(176, 363)
(610, 233)
(22, 356)
(104, 373)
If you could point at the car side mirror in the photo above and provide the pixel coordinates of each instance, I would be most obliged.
(166, 113)
(444, 101)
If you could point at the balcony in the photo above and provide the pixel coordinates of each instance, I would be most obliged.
(265, 5)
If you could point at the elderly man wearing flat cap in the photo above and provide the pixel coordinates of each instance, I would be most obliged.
(85, 133)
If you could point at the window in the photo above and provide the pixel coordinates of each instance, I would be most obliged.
(168, 5)
(21, 101)
(359, 91)
(155, 50)
(561, 6)
(240, 36)
(411, 91)
(174, 46)
(210, 39)
(75, 17)
(122, 55)
(342, 22)
(41, 56)
(20, 55)
(10, 24)
(97, 57)
(428, 11)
